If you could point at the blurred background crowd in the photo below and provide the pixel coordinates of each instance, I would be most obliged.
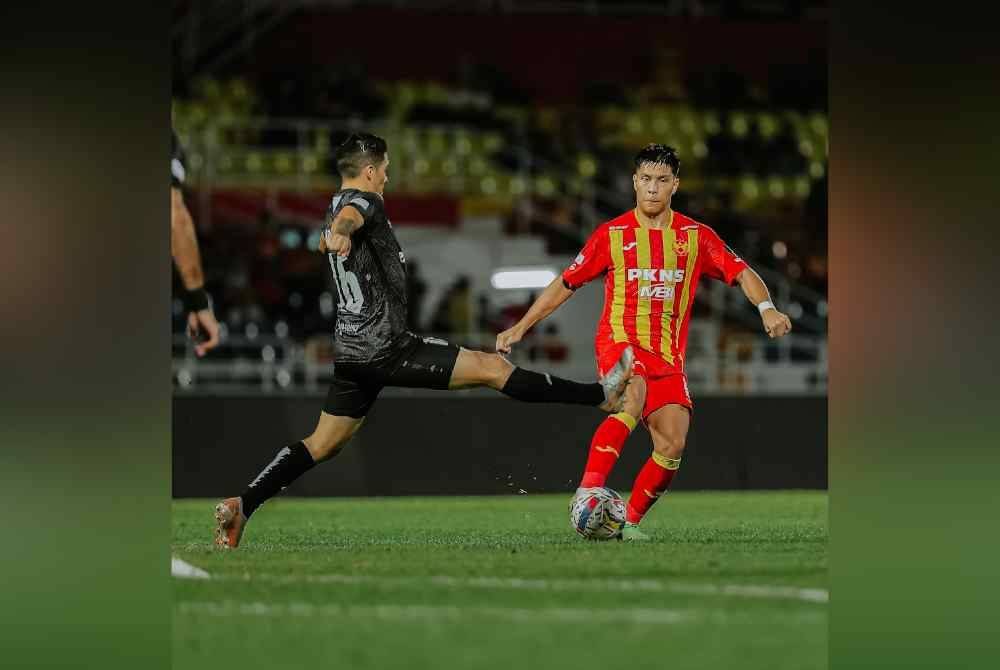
(511, 129)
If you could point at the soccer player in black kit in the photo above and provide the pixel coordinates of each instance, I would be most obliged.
(372, 347)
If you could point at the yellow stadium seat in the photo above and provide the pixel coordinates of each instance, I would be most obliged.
(776, 187)
(738, 124)
(436, 143)
(517, 186)
(711, 123)
(586, 165)
(284, 162)
(492, 141)
(634, 123)
(478, 165)
(768, 124)
(818, 124)
(310, 162)
(488, 185)
(545, 186)
(225, 164)
(802, 187)
(253, 162)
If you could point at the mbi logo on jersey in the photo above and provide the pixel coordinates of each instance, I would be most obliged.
(656, 292)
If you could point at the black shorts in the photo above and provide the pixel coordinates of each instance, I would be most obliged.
(414, 362)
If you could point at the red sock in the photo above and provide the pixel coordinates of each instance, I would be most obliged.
(652, 481)
(606, 447)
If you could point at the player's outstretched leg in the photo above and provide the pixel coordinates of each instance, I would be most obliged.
(478, 368)
(232, 514)
(668, 426)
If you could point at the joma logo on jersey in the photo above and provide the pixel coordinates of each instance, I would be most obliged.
(657, 292)
(655, 274)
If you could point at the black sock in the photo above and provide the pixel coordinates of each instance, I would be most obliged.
(528, 386)
(290, 463)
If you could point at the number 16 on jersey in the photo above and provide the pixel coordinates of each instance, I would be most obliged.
(349, 295)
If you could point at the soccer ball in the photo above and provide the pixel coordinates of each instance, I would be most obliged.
(597, 513)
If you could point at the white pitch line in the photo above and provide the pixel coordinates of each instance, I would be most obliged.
(765, 591)
(426, 612)
(756, 591)
(185, 570)
(422, 613)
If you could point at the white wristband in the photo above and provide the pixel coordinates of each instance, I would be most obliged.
(764, 306)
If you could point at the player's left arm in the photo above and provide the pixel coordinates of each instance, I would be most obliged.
(776, 324)
(722, 263)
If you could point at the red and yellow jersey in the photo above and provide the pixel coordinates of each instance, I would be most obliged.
(650, 280)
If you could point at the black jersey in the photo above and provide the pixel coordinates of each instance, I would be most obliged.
(370, 283)
(178, 164)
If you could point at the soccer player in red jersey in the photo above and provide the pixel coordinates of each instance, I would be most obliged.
(651, 258)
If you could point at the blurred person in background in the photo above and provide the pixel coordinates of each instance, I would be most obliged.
(416, 289)
(373, 348)
(202, 326)
(453, 314)
(553, 346)
(485, 318)
(460, 307)
(651, 259)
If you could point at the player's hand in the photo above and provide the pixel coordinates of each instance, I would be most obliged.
(508, 338)
(204, 330)
(776, 324)
(337, 243)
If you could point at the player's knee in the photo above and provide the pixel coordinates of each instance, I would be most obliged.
(668, 443)
(319, 449)
(495, 369)
(324, 445)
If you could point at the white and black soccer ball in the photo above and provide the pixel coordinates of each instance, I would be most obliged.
(597, 513)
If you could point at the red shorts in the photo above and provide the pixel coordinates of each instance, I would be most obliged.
(664, 384)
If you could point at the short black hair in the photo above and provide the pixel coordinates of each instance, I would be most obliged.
(658, 154)
(358, 151)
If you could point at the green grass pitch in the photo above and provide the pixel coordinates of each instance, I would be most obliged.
(733, 580)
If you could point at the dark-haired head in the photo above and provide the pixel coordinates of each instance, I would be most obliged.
(658, 154)
(655, 179)
(364, 157)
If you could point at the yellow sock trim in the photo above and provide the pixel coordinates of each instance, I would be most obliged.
(666, 463)
(625, 418)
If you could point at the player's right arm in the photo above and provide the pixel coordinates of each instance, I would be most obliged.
(554, 295)
(336, 237)
(592, 262)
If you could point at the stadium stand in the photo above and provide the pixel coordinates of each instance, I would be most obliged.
(507, 160)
